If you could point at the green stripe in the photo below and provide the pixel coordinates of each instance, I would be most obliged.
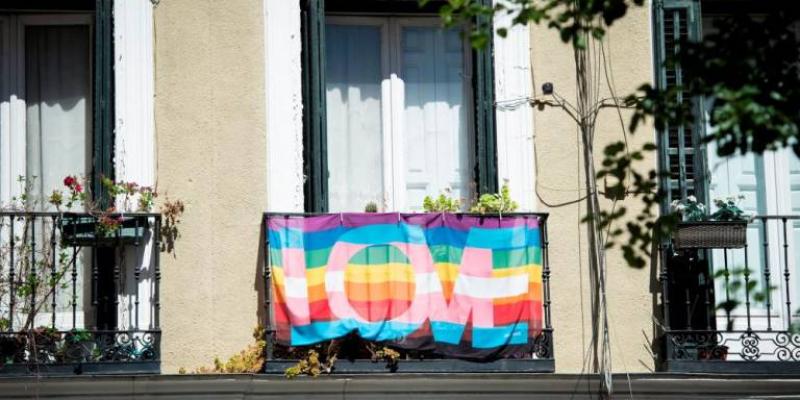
(440, 253)
(317, 258)
(275, 258)
(382, 254)
(516, 257)
(446, 254)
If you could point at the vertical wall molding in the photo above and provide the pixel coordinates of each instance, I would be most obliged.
(513, 115)
(284, 112)
(134, 142)
(134, 138)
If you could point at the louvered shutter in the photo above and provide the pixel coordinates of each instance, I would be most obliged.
(681, 154)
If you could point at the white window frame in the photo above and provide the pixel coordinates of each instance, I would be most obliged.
(12, 94)
(393, 99)
(284, 109)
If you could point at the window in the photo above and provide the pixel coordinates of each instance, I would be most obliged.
(681, 156)
(56, 119)
(395, 108)
(397, 97)
(47, 101)
(56, 88)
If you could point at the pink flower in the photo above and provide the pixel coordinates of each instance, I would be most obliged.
(78, 188)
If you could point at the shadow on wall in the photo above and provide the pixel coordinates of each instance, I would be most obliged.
(656, 347)
(259, 283)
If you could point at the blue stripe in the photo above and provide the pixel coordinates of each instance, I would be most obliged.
(378, 331)
(496, 239)
(443, 332)
(488, 338)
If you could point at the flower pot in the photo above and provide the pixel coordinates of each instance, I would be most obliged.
(81, 230)
(12, 348)
(713, 353)
(43, 345)
(78, 347)
(710, 235)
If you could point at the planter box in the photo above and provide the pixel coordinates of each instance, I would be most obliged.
(710, 235)
(81, 230)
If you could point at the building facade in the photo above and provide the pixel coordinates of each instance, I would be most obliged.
(242, 107)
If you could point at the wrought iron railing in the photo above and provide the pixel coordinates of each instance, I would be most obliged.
(79, 295)
(735, 310)
(538, 358)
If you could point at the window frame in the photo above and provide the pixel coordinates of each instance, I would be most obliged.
(694, 22)
(102, 84)
(13, 138)
(393, 97)
(315, 173)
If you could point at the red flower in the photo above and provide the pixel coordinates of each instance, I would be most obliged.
(78, 188)
(69, 181)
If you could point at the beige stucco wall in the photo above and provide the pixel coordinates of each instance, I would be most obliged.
(211, 154)
(210, 128)
(560, 180)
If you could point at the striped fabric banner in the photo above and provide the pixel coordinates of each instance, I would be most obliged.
(464, 286)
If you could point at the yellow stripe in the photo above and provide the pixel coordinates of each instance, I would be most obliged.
(535, 274)
(316, 276)
(403, 272)
(277, 276)
(447, 271)
(534, 270)
(379, 273)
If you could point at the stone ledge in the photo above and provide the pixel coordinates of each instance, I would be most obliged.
(399, 386)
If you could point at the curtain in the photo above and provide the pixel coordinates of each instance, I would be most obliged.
(355, 143)
(57, 77)
(57, 88)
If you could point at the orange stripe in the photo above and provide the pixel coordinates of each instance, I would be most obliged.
(535, 291)
(447, 289)
(317, 293)
(510, 300)
(392, 290)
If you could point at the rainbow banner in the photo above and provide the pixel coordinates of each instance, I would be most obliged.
(464, 286)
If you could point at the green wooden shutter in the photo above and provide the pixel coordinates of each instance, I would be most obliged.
(103, 123)
(485, 140)
(314, 118)
(680, 152)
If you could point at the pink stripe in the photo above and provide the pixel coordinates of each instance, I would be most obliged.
(297, 308)
(476, 262)
(341, 254)
(341, 308)
(294, 263)
(419, 255)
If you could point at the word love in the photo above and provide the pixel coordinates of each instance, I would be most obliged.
(424, 280)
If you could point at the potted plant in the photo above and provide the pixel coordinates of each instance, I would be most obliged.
(12, 348)
(715, 352)
(725, 228)
(78, 345)
(107, 227)
(44, 343)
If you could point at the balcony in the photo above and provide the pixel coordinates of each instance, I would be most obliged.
(440, 292)
(78, 296)
(735, 310)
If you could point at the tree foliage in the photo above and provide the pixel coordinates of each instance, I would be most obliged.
(744, 74)
(747, 70)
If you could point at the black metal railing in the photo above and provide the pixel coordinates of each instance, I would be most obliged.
(79, 293)
(735, 310)
(539, 358)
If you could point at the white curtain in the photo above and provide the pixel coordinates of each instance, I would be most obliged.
(355, 144)
(57, 91)
(57, 77)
